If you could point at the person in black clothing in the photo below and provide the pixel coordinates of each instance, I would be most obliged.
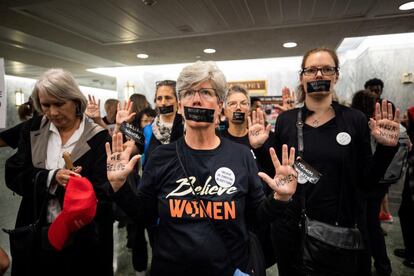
(406, 211)
(136, 231)
(204, 190)
(236, 110)
(376, 86)
(364, 101)
(110, 107)
(336, 142)
(11, 136)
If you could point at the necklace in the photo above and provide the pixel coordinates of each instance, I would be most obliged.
(315, 122)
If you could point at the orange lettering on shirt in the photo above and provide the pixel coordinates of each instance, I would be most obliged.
(229, 210)
(177, 207)
(217, 209)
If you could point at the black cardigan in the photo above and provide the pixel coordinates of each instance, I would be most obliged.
(360, 171)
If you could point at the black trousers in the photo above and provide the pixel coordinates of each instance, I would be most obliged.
(376, 242)
(136, 238)
(406, 214)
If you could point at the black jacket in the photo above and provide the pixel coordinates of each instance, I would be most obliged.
(357, 171)
(92, 245)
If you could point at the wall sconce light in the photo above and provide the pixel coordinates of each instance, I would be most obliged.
(19, 95)
(129, 90)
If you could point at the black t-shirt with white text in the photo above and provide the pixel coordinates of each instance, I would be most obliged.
(185, 241)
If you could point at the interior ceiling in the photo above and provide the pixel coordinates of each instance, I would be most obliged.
(81, 34)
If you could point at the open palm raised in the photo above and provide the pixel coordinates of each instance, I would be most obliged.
(117, 162)
(258, 131)
(285, 180)
(385, 128)
(93, 108)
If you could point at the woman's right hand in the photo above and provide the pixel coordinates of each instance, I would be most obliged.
(124, 113)
(117, 162)
(258, 132)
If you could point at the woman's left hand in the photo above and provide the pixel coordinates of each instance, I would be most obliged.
(385, 128)
(63, 175)
(285, 181)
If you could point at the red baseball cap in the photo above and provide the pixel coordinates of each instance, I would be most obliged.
(79, 209)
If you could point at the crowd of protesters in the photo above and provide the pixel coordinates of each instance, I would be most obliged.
(217, 190)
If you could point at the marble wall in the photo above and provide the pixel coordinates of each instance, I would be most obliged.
(387, 64)
(278, 72)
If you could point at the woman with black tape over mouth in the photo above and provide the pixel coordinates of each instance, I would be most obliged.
(336, 164)
(203, 190)
(168, 124)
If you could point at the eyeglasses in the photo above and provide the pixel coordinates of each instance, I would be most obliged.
(165, 83)
(206, 94)
(234, 104)
(325, 71)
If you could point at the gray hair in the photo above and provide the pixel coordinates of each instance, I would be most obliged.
(60, 84)
(199, 72)
(238, 89)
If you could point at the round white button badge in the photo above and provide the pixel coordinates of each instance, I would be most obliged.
(224, 177)
(343, 138)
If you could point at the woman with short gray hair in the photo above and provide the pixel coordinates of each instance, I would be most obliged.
(203, 191)
(202, 71)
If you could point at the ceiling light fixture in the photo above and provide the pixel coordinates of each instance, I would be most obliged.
(143, 56)
(407, 6)
(209, 51)
(290, 44)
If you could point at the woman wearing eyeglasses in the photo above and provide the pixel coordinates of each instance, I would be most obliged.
(336, 143)
(205, 190)
(236, 110)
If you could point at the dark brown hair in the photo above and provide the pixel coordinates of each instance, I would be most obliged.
(364, 100)
(170, 83)
(139, 102)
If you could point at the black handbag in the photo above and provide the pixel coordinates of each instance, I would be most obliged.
(328, 249)
(26, 240)
(256, 265)
(331, 249)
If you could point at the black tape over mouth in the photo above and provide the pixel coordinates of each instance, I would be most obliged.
(199, 114)
(239, 116)
(318, 86)
(166, 109)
